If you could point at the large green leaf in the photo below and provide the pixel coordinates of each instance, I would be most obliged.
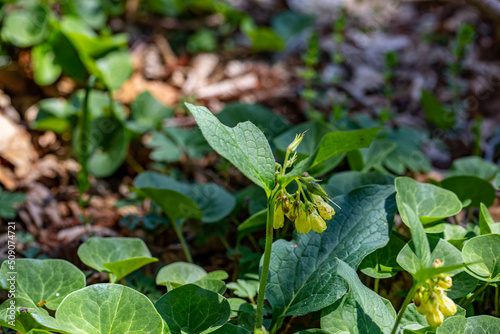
(303, 272)
(361, 310)
(483, 324)
(147, 113)
(333, 144)
(474, 166)
(43, 280)
(343, 182)
(193, 310)
(245, 146)
(484, 252)
(22, 314)
(108, 309)
(471, 188)
(463, 284)
(230, 329)
(181, 273)
(269, 123)
(207, 202)
(430, 203)
(26, 27)
(116, 256)
(45, 70)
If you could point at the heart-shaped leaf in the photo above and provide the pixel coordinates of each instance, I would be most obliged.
(473, 166)
(360, 311)
(180, 273)
(471, 188)
(116, 256)
(192, 309)
(147, 113)
(484, 249)
(42, 280)
(27, 26)
(429, 202)
(303, 272)
(483, 324)
(45, 70)
(245, 146)
(119, 310)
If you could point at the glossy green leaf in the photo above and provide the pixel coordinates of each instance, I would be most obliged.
(333, 144)
(181, 273)
(382, 263)
(303, 272)
(8, 202)
(421, 243)
(245, 288)
(485, 221)
(473, 166)
(116, 256)
(207, 202)
(108, 146)
(193, 310)
(361, 310)
(482, 324)
(436, 113)
(484, 249)
(376, 153)
(45, 70)
(269, 123)
(344, 182)
(23, 321)
(26, 27)
(115, 68)
(471, 188)
(120, 309)
(147, 113)
(430, 203)
(463, 284)
(245, 146)
(43, 280)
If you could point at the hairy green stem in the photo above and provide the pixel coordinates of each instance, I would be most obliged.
(267, 259)
(471, 298)
(406, 302)
(375, 288)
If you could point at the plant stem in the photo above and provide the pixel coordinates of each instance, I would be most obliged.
(184, 244)
(375, 288)
(407, 301)
(267, 259)
(497, 301)
(471, 298)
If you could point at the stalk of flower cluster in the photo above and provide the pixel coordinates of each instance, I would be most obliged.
(267, 259)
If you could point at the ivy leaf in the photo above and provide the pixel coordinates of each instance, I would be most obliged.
(429, 202)
(303, 274)
(120, 309)
(192, 309)
(245, 146)
(116, 256)
(484, 252)
(45, 280)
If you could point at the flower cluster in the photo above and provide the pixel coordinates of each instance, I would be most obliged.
(431, 300)
(304, 213)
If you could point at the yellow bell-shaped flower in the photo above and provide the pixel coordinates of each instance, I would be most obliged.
(325, 210)
(303, 223)
(317, 223)
(446, 304)
(279, 217)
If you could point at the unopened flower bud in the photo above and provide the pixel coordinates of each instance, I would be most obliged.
(437, 263)
(294, 210)
(293, 146)
(444, 281)
(285, 204)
